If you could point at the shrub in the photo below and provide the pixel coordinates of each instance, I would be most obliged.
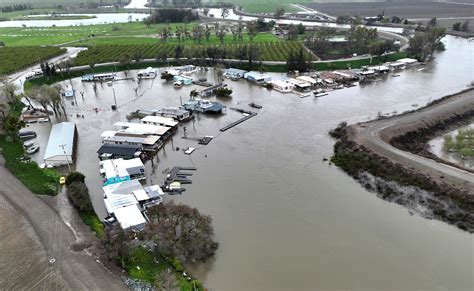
(75, 177)
(79, 195)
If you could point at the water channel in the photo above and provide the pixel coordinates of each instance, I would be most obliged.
(286, 220)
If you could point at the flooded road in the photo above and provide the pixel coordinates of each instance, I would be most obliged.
(286, 220)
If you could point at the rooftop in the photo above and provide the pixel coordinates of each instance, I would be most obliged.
(61, 134)
(160, 120)
(130, 217)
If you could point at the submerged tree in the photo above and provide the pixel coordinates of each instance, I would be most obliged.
(181, 231)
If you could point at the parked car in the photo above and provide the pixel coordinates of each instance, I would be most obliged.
(43, 120)
(62, 180)
(27, 135)
(32, 150)
(28, 144)
(110, 220)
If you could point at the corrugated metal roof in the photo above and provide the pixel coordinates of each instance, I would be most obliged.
(130, 216)
(61, 134)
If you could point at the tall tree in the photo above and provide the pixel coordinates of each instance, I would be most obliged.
(181, 231)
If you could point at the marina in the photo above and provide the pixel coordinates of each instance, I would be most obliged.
(363, 225)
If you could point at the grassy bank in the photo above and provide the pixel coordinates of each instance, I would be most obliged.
(143, 266)
(94, 223)
(342, 65)
(39, 181)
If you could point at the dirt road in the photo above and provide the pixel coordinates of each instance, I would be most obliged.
(30, 225)
(377, 134)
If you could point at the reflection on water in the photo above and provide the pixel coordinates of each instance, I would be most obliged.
(100, 18)
(286, 220)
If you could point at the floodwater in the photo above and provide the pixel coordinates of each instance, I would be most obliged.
(284, 219)
(100, 18)
(217, 14)
(436, 146)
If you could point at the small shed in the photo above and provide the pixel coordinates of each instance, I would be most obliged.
(61, 144)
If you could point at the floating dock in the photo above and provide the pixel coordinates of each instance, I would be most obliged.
(250, 115)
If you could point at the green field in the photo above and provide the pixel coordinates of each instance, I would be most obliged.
(13, 59)
(36, 36)
(39, 181)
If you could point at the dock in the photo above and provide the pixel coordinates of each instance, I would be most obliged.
(176, 175)
(235, 123)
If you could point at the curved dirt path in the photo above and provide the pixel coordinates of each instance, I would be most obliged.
(376, 135)
(76, 270)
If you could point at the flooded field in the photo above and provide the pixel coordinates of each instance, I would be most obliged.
(284, 219)
(437, 148)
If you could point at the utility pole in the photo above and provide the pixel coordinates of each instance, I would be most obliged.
(65, 155)
(115, 99)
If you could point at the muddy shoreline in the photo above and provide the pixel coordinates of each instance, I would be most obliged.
(444, 198)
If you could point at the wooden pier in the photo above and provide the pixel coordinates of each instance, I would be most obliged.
(250, 115)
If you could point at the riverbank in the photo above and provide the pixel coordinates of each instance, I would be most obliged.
(444, 193)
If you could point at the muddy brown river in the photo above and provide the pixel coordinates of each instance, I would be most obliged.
(286, 220)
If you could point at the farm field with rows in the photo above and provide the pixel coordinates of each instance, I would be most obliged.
(15, 58)
(267, 51)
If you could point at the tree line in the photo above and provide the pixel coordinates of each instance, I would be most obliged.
(16, 7)
(170, 15)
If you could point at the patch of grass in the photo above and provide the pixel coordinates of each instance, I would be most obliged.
(37, 36)
(342, 65)
(39, 181)
(148, 268)
(94, 223)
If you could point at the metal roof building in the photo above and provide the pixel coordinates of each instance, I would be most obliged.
(130, 217)
(61, 144)
(159, 120)
(119, 151)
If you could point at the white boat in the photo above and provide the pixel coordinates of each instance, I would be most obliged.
(148, 73)
(320, 94)
(189, 151)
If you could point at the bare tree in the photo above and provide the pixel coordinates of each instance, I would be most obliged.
(181, 231)
(166, 281)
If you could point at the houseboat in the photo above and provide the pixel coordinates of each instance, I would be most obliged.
(144, 129)
(148, 73)
(160, 120)
(307, 79)
(257, 77)
(211, 90)
(234, 74)
(147, 142)
(282, 86)
(204, 106)
(184, 80)
(300, 86)
(119, 170)
(98, 77)
(174, 112)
